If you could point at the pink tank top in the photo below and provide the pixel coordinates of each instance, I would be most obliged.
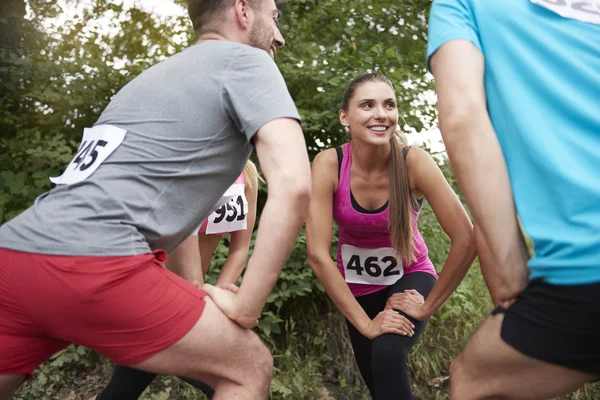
(204, 224)
(364, 248)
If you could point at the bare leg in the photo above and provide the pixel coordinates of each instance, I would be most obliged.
(488, 368)
(207, 245)
(9, 384)
(184, 260)
(216, 350)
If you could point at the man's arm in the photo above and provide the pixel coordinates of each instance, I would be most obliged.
(284, 162)
(479, 166)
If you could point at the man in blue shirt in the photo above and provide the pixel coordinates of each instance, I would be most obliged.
(518, 85)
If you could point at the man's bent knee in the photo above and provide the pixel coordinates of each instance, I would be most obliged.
(263, 364)
(461, 384)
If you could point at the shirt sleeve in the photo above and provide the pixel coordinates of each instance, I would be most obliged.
(254, 91)
(450, 20)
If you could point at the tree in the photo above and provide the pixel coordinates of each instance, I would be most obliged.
(331, 42)
(56, 79)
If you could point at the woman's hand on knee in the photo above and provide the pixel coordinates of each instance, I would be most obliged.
(389, 321)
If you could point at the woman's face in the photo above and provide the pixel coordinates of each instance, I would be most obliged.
(372, 114)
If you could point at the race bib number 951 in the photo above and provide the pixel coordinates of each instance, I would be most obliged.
(371, 266)
(581, 10)
(232, 215)
(97, 144)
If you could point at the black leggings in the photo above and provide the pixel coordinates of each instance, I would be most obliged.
(382, 361)
(128, 383)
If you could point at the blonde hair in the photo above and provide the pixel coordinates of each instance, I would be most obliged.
(251, 175)
(401, 203)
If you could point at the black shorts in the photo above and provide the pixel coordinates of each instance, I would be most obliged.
(556, 324)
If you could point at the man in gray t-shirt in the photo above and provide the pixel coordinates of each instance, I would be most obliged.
(145, 175)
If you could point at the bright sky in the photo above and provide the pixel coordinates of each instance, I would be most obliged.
(162, 7)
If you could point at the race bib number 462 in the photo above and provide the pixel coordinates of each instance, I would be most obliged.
(371, 266)
(97, 144)
(581, 10)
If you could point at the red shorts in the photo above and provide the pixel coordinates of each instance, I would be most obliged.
(126, 308)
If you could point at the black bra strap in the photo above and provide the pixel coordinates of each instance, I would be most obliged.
(340, 155)
(405, 150)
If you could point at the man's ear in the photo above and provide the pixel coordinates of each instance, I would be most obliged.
(241, 13)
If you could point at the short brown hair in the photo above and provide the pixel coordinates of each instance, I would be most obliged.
(203, 12)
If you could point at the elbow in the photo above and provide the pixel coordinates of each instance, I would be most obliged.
(298, 194)
(465, 244)
(455, 116)
(314, 261)
(456, 120)
(302, 194)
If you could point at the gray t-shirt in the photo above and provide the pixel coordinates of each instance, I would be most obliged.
(189, 121)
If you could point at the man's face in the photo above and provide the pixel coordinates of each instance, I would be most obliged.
(264, 33)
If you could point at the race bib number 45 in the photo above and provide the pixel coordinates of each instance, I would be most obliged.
(232, 215)
(371, 266)
(581, 10)
(97, 144)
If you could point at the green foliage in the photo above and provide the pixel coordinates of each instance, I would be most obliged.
(56, 78)
(353, 37)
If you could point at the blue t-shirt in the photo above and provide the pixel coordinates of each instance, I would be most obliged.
(542, 80)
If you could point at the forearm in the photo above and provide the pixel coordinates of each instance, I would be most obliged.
(280, 223)
(338, 291)
(497, 283)
(233, 267)
(459, 260)
(185, 260)
(480, 170)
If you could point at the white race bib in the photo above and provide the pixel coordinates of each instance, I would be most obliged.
(371, 266)
(581, 10)
(231, 216)
(97, 144)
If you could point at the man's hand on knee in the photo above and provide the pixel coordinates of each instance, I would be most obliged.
(225, 299)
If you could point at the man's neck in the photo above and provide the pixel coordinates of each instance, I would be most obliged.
(209, 35)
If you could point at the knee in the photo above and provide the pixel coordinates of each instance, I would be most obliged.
(262, 361)
(388, 352)
(266, 361)
(460, 381)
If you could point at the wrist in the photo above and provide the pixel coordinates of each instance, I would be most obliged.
(363, 325)
(242, 315)
(427, 310)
